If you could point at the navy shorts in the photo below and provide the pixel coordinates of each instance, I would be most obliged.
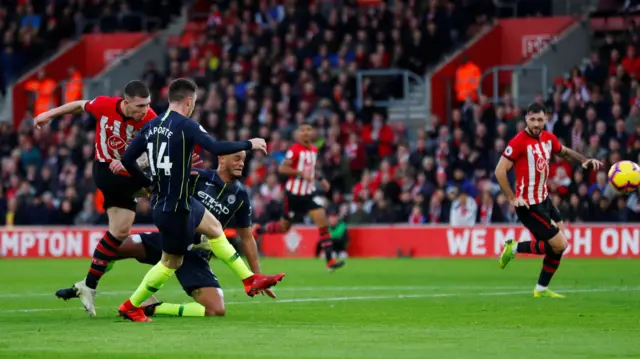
(178, 228)
(195, 271)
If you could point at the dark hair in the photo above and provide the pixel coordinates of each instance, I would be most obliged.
(180, 89)
(536, 107)
(136, 88)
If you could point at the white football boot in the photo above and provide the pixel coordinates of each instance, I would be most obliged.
(87, 297)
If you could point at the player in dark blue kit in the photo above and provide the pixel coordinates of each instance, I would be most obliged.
(224, 196)
(168, 141)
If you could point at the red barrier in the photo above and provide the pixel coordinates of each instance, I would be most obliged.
(90, 55)
(593, 241)
(510, 42)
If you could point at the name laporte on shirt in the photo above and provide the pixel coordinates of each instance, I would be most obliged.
(159, 131)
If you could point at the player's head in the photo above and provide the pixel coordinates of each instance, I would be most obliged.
(536, 118)
(182, 95)
(304, 133)
(232, 164)
(136, 100)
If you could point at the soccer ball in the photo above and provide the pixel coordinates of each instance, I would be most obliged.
(624, 176)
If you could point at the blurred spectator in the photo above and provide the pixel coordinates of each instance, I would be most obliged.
(489, 211)
(31, 29)
(464, 210)
(359, 214)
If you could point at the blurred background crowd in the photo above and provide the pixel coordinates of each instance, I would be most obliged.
(264, 66)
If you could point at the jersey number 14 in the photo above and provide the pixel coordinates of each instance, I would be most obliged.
(160, 163)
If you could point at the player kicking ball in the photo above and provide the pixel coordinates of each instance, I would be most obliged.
(118, 120)
(168, 141)
(222, 194)
(529, 153)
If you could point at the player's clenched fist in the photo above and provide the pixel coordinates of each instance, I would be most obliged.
(258, 144)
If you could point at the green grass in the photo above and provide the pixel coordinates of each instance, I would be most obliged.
(383, 309)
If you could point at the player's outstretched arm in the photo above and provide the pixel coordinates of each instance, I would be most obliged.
(571, 155)
(130, 157)
(71, 108)
(202, 138)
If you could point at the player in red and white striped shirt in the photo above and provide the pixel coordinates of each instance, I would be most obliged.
(529, 153)
(118, 120)
(300, 166)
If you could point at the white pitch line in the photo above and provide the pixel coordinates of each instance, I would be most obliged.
(282, 289)
(358, 298)
(438, 295)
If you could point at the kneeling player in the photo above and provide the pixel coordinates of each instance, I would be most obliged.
(226, 198)
(195, 277)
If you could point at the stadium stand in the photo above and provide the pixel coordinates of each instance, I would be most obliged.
(262, 69)
(33, 29)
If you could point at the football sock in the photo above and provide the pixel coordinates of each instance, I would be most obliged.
(151, 283)
(325, 242)
(535, 247)
(225, 252)
(106, 251)
(181, 310)
(272, 228)
(540, 288)
(550, 265)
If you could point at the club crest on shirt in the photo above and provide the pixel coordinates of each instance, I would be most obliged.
(541, 164)
(115, 142)
(231, 199)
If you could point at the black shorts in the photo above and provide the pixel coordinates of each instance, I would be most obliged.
(195, 271)
(295, 207)
(178, 229)
(118, 190)
(541, 219)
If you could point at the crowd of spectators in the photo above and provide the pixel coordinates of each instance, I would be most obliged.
(32, 29)
(263, 69)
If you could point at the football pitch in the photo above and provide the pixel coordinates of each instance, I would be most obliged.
(387, 309)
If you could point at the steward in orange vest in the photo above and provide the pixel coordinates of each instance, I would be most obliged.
(43, 89)
(467, 81)
(73, 87)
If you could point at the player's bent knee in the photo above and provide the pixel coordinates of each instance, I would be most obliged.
(210, 226)
(119, 234)
(120, 230)
(285, 225)
(215, 311)
(120, 223)
(559, 243)
(212, 299)
(318, 215)
(171, 261)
